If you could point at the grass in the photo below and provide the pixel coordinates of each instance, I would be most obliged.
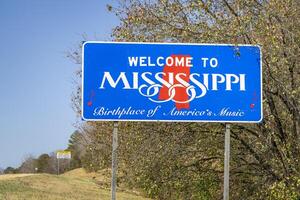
(76, 184)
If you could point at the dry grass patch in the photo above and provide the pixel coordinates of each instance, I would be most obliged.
(74, 185)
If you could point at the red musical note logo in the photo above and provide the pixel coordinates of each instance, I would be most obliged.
(254, 99)
(92, 98)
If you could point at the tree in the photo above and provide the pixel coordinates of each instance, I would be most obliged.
(264, 153)
(52, 163)
(42, 163)
(29, 165)
(10, 170)
(77, 147)
(97, 151)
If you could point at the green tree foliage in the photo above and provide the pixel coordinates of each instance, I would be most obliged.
(98, 149)
(284, 190)
(76, 148)
(10, 170)
(42, 163)
(185, 160)
(89, 146)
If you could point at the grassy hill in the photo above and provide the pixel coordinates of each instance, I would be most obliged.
(76, 184)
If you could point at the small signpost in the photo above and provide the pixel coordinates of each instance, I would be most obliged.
(173, 83)
(62, 155)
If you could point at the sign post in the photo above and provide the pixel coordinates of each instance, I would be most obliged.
(57, 166)
(114, 164)
(226, 163)
(171, 82)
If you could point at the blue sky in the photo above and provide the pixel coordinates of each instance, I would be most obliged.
(36, 78)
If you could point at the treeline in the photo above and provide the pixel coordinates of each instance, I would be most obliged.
(45, 163)
(48, 163)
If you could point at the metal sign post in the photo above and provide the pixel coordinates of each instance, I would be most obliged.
(114, 164)
(57, 166)
(226, 163)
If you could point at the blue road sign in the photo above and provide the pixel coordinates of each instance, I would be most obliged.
(171, 82)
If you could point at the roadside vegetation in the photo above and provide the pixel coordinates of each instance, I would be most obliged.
(76, 184)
